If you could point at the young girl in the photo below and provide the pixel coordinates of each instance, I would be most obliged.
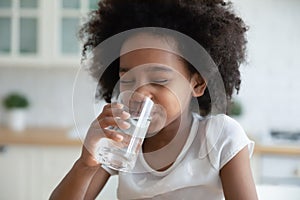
(187, 155)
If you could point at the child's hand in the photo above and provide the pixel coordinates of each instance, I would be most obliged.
(112, 115)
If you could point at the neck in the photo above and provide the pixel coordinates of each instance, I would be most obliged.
(162, 149)
(178, 130)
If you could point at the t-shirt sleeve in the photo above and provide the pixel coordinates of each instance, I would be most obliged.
(231, 140)
(109, 170)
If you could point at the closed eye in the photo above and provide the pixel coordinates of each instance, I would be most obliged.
(122, 81)
(160, 81)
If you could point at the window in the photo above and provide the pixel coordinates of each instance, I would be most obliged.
(35, 32)
(19, 27)
(70, 13)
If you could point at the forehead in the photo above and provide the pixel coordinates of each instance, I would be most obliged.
(145, 49)
(145, 40)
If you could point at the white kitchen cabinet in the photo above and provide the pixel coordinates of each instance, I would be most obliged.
(276, 164)
(279, 170)
(278, 192)
(54, 164)
(13, 173)
(32, 172)
(37, 33)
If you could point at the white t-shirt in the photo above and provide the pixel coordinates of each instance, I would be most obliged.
(213, 141)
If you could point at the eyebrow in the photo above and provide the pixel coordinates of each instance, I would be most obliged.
(150, 68)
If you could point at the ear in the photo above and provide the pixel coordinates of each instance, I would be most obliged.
(198, 84)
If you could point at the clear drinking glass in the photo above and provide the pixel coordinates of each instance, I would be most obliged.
(122, 155)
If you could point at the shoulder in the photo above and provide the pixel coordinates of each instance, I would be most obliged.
(222, 138)
(221, 127)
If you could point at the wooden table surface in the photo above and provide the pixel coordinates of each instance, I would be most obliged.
(279, 149)
(60, 136)
(38, 136)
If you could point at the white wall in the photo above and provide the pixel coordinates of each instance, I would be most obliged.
(270, 79)
(50, 92)
(269, 91)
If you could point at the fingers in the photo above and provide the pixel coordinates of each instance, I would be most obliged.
(112, 116)
(114, 135)
(114, 110)
(108, 122)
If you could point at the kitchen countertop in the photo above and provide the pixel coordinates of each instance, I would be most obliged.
(61, 137)
(278, 149)
(38, 136)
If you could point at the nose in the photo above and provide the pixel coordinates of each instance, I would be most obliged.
(138, 99)
(143, 91)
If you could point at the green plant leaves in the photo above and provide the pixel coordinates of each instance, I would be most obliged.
(15, 100)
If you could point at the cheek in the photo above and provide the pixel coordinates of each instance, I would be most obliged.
(179, 96)
(170, 103)
(167, 108)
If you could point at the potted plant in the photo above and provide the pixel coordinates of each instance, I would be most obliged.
(235, 109)
(16, 104)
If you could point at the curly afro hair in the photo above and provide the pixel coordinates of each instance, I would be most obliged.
(212, 23)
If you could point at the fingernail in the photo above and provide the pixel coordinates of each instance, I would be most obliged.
(126, 114)
(122, 123)
(126, 124)
(120, 105)
(119, 137)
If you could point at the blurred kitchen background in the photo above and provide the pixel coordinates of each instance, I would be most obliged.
(40, 60)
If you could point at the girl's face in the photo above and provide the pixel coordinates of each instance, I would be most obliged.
(159, 74)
